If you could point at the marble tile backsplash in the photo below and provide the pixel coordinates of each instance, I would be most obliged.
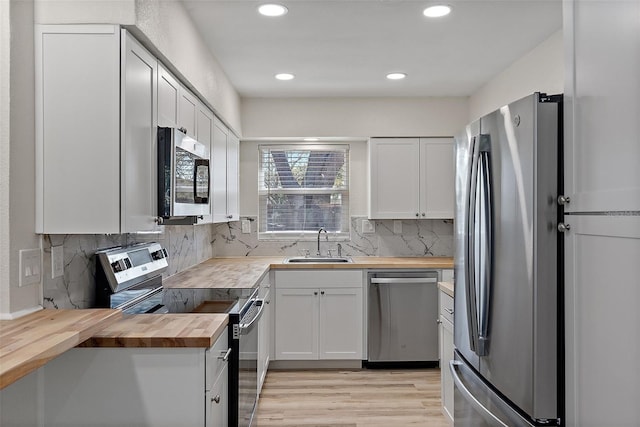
(418, 238)
(187, 245)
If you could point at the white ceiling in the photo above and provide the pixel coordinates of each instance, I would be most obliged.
(346, 47)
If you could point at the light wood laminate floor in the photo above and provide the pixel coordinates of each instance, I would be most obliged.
(360, 398)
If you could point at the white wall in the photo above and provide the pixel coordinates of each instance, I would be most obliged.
(167, 25)
(165, 28)
(353, 117)
(18, 204)
(540, 70)
(5, 109)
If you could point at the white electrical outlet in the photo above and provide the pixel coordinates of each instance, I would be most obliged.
(246, 226)
(368, 227)
(397, 227)
(57, 261)
(30, 261)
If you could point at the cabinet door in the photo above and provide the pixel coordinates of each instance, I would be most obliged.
(602, 106)
(233, 184)
(601, 281)
(394, 173)
(437, 191)
(217, 402)
(168, 97)
(341, 324)
(77, 129)
(296, 324)
(446, 331)
(204, 135)
(138, 149)
(187, 111)
(219, 172)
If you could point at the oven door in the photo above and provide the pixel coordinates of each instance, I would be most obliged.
(139, 301)
(248, 363)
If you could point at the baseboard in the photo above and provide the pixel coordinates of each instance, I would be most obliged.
(315, 364)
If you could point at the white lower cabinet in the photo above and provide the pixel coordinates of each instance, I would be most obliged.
(318, 315)
(154, 387)
(446, 353)
(217, 402)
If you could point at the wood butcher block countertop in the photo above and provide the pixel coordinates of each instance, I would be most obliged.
(29, 342)
(246, 272)
(161, 330)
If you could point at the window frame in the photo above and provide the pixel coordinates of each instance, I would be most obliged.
(307, 235)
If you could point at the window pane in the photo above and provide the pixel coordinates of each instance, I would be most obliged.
(303, 188)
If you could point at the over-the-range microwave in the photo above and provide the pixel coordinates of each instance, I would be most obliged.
(183, 176)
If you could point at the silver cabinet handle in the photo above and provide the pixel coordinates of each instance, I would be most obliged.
(564, 200)
(404, 280)
(487, 414)
(225, 356)
(438, 321)
(268, 301)
(424, 214)
(315, 293)
(417, 214)
(563, 228)
(216, 399)
(448, 310)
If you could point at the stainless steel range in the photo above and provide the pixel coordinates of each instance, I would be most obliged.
(129, 278)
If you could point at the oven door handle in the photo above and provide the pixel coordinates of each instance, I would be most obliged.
(246, 328)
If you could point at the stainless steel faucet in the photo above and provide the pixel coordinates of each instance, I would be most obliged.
(326, 237)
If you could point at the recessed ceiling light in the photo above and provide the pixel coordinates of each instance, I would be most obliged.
(311, 139)
(437, 11)
(396, 76)
(285, 76)
(272, 10)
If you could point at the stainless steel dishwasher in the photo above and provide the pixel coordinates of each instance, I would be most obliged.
(402, 315)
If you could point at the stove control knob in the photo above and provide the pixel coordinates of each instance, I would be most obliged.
(121, 265)
(159, 254)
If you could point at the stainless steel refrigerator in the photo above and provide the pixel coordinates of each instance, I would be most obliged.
(507, 321)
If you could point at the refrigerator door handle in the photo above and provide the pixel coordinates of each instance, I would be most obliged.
(486, 413)
(485, 213)
(469, 249)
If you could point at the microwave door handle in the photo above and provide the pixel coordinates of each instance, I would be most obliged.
(469, 268)
(198, 164)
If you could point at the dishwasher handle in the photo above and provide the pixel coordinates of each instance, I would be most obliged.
(403, 280)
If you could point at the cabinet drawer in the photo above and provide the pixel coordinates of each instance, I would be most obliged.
(446, 307)
(319, 279)
(214, 359)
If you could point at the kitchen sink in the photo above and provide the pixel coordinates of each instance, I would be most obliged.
(319, 259)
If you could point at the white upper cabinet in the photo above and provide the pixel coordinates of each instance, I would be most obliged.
(95, 131)
(138, 149)
(168, 96)
(602, 106)
(187, 112)
(224, 174)
(411, 178)
(204, 135)
(233, 179)
(437, 176)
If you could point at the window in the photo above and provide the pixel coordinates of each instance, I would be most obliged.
(302, 188)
